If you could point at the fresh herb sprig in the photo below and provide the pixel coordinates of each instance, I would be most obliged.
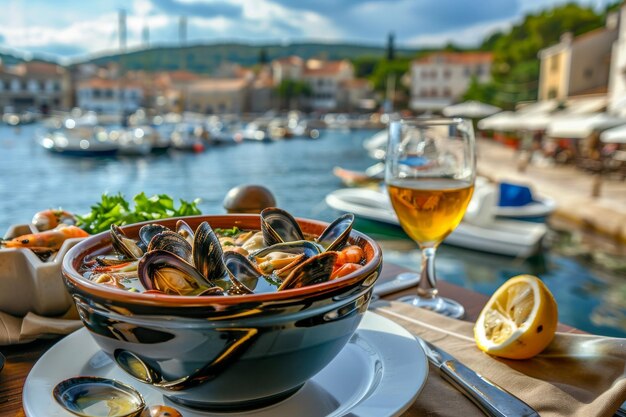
(116, 209)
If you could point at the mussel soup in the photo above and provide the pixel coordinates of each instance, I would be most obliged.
(208, 261)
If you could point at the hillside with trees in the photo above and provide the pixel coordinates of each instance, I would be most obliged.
(515, 70)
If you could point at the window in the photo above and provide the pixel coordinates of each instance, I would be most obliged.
(446, 74)
(554, 63)
(96, 93)
(467, 71)
(424, 92)
(433, 92)
(446, 92)
(433, 74)
(424, 74)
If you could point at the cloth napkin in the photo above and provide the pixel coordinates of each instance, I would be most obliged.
(16, 330)
(577, 375)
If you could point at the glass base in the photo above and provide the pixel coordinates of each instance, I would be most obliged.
(440, 305)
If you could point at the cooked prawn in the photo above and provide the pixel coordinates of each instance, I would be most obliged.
(350, 254)
(345, 269)
(45, 241)
(49, 219)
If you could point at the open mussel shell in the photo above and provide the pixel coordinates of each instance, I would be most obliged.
(279, 226)
(123, 244)
(172, 242)
(243, 274)
(163, 271)
(306, 247)
(183, 229)
(147, 232)
(314, 270)
(336, 235)
(90, 396)
(207, 253)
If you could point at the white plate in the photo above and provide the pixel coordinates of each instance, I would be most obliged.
(379, 373)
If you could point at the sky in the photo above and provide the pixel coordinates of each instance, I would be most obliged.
(69, 29)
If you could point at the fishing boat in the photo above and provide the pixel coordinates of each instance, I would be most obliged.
(79, 142)
(516, 201)
(480, 229)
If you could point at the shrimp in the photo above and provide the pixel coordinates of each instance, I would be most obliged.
(45, 241)
(350, 254)
(49, 219)
(345, 269)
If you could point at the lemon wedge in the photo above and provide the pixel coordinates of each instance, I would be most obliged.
(519, 320)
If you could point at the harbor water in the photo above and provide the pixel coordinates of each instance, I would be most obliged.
(299, 173)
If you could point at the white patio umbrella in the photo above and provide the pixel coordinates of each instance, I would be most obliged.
(614, 135)
(472, 109)
(503, 121)
(581, 126)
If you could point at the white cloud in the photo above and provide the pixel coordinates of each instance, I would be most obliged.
(470, 36)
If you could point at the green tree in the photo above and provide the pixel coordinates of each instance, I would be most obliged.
(515, 68)
(483, 92)
(290, 90)
(364, 66)
(391, 51)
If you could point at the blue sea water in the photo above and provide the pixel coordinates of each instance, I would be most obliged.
(299, 173)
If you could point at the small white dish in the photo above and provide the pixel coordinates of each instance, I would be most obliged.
(28, 284)
(380, 372)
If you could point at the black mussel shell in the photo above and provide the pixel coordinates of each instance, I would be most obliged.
(172, 242)
(147, 232)
(207, 253)
(243, 274)
(314, 270)
(336, 235)
(308, 248)
(183, 229)
(168, 273)
(279, 226)
(123, 244)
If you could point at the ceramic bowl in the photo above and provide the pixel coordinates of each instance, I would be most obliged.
(223, 352)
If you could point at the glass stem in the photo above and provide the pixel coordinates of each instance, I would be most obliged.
(427, 285)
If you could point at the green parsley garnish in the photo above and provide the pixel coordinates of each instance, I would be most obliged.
(115, 209)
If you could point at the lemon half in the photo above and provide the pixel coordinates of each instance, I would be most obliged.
(519, 320)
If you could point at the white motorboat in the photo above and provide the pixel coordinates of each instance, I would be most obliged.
(479, 230)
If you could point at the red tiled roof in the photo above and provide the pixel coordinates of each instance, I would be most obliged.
(321, 68)
(457, 58)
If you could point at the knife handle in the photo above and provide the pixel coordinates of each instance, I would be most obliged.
(490, 398)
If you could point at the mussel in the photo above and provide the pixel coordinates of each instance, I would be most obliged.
(125, 245)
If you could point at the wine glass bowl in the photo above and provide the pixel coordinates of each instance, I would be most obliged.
(430, 170)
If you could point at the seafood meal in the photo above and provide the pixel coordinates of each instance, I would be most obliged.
(205, 261)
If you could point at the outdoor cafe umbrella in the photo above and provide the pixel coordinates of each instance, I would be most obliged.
(581, 126)
(471, 109)
(614, 135)
(503, 121)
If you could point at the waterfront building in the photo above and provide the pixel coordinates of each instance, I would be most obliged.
(34, 85)
(617, 76)
(578, 65)
(441, 78)
(217, 95)
(104, 95)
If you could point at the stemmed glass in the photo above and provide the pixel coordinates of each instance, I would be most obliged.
(430, 169)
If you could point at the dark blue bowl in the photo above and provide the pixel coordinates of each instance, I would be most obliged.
(223, 353)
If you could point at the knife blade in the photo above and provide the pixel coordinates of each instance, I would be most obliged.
(492, 399)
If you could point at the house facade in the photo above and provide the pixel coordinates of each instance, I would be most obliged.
(34, 85)
(441, 78)
(578, 65)
(617, 76)
(105, 95)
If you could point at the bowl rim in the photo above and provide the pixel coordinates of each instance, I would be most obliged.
(89, 244)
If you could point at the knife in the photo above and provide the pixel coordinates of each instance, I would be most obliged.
(492, 399)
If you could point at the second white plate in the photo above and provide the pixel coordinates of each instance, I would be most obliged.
(380, 372)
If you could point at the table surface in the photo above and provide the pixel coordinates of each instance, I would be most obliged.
(21, 358)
